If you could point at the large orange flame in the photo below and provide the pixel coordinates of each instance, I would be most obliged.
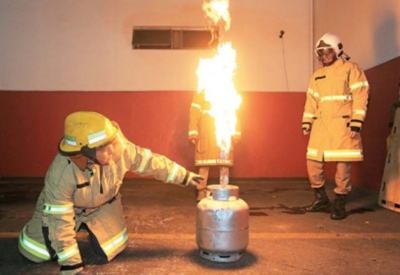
(215, 76)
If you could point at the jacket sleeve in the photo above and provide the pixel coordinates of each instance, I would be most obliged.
(311, 105)
(144, 162)
(359, 88)
(58, 215)
(195, 115)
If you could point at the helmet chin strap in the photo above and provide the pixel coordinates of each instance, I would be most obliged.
(90, 153)
(345, 56)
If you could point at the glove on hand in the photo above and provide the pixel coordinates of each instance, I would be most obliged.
(191, 179)
(355, 129)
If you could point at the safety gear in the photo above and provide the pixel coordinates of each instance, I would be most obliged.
(72, 196)
(192, 179)
(86, 129)
(329, 41)
(336, 100)
(327, 57)
(87, 132)
(321, 201)
(202, 129)
(339, 210)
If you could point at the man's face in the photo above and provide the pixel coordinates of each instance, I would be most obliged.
(327, 56)
(111, 152)
(104, 155)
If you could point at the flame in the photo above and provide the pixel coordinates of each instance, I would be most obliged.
(215, 78)
(217, 10)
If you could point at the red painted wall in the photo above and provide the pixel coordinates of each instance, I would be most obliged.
(272, 145)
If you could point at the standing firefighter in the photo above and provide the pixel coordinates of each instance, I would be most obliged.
(202, 133)
(82, 187)
(334, 113)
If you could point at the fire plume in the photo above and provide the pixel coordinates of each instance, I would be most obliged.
(215, 79)
(217, 11)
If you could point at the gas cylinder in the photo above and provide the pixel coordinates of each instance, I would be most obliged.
(222, 224)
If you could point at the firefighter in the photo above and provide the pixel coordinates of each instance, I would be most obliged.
(82, 188)
(334, 112)
(202, 135)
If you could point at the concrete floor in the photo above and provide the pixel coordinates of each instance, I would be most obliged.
(161, 221)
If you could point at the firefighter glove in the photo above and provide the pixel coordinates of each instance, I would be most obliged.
(306, 126)
(191, 179)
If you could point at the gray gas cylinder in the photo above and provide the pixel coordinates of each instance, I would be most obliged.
(222, 226)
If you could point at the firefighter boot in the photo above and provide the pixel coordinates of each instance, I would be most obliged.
(338, 209)
(321, 201)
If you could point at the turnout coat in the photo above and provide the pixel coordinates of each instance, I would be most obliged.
(74, 195)
(336, 100)
(202, 129)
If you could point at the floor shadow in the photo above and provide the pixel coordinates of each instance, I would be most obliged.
(248, 259)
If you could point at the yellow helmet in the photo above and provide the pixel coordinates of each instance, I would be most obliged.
(86, 130)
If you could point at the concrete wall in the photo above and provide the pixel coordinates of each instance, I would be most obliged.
(75, 45)
(369, 29)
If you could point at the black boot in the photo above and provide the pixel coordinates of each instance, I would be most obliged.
(321, 201)
(338, 209)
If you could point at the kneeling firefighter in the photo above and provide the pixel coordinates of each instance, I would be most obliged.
(82, 187)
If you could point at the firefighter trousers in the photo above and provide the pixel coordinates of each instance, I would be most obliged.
(204, 171)
(315, 170)
(107, 233)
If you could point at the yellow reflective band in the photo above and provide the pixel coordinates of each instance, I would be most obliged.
(195, 105)
(33, 247)
(194, 132)
(96, 137)
(214, 161)
(336, 97)
(343, 153)
(172, 175)
(308, 115)
(144, 160)
(58, 209)
(312, 152)
(358, 85)
(70, 140)
(68, 253)
(315, 94)
(111, 245)
(359, 112)
(238, 133)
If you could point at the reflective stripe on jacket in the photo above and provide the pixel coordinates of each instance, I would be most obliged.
(71, 196)
(336, 100)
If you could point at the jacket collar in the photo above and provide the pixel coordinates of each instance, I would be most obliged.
(80, 161)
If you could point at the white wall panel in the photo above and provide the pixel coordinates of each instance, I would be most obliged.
(73, 45)
(369, 29)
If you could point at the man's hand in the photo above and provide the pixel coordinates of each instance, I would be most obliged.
(306, 132)
(193, 141)
(354, 134)
(354, 131)
(192, 179)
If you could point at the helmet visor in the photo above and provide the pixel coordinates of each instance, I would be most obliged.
(111, 151)
(327, 56)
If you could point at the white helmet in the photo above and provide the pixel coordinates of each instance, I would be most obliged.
(329, 41)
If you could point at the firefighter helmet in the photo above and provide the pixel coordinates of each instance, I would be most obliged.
(86, 130)
(329, 41)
